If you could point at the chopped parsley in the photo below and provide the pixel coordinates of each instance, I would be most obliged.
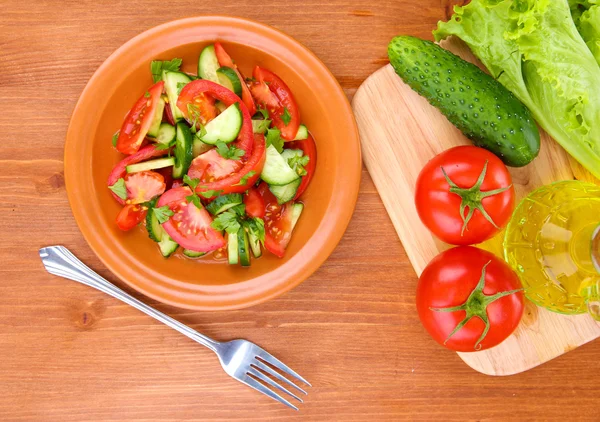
(119, 189)
(162, 213)
(157, 67)
(229, 152)
(286, 117)
(274, 138)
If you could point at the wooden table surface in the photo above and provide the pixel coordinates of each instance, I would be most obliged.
(70, 353)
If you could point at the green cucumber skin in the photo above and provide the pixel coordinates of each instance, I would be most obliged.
(486, 112)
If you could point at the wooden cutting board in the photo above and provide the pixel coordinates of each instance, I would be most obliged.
(400, 132)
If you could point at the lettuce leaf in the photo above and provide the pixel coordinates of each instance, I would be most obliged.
(586, 14)
(534, 49)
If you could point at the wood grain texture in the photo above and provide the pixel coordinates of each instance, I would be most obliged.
(400, 132)
(70, 353)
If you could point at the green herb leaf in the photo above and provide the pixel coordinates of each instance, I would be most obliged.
(194, 199)
(192, 183)
(244, 179)
(119, 189)
(297, 163)
(114, 138)
(264, 112)
(239, 210)
(157, 67)
(228, 221)
(256, 228)
(274, 138)
(180, 86)
(147, 94)
(229, 152)
(210, 193)
(162, 213)
(286, 117)
(260, 126)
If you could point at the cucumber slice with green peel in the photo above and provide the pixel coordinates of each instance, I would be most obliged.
(229, 79)
(297, 209)
(225, 127)
(166, 134)
(157, 118)
(155, 230)
(243, 248)
(183, 150)
(208, 64)
(167, 245)
(232, 248)
(288, 154)
(285, 193)
(302, 133)
(255, 245)
(173, 81)
(260, 126)
(158, 163)
(193, 254)
(277, 171)
(223, 203)
(199, 147)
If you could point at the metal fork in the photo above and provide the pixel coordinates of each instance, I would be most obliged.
(241, 359)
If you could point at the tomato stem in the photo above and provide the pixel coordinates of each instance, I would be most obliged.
(476, 306)
(471, 198)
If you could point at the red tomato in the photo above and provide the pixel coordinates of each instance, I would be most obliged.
(451, 204)
(285, 98)
(189, 226)
(138, 120)
(130, 216)
(211, 166)
(198, 90)
(467, 278)
(177, 183)
(206, 107)
(143, 186)
(167, 174)
(246, 177)
(255, 205)
(168, 115)
(143, 154)
(278, 222)
(224, 60)
(310, 150)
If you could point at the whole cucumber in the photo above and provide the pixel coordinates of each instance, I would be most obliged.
(484, 110)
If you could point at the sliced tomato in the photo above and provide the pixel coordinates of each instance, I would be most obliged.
(143, 186)
(278, 222)
(196, 92)
(210, 166)
(225, 60)
(246, 177)
(263, 96)
(206, 108)
(255, 205)
(168, 116)
(138, 120)
(189, 226)
(130, 216)
(167, 174)
(286, 102)
(310, 150)
(143, 154)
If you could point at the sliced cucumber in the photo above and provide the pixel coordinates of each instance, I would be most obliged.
(157, 118)
(155, 230)
(158, 163)
(166, 134)
(225, 127)
(183, 150)
(223, 203)
(277, 171)
(172, 86)
(193, 254)
(199, 147)
(285, 193)
(288, 154)
(297, 209)
(255, 245)
(208, 64)
(167, 245)
(243, 248)
(260, 126)
(232, 248)
(230, 80)
(302, 133)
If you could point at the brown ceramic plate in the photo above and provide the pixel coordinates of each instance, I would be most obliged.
(206, 284)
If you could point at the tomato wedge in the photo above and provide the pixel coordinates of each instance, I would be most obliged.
(143, 186)
(189, 226)
(246, 177)
(310, 150)
(138, 120)
(195, 93)
(119, 170)
(278, 222)
(286, 104)
(130, 216)
(255, 205)
(210, 166)
(225, 60)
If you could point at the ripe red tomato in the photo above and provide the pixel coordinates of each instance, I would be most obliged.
(278, 222)
(130, 216)
(310, 150)
(210, 166)
(143, 186)
(255, 205)
(465, 195)
(469, 286)
(225, 60)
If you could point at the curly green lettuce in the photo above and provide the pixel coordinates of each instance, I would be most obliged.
(534, 49)
(586, 14)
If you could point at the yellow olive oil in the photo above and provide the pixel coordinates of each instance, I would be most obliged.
(553, 243)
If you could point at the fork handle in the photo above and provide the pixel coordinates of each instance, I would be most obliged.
(59, 261)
